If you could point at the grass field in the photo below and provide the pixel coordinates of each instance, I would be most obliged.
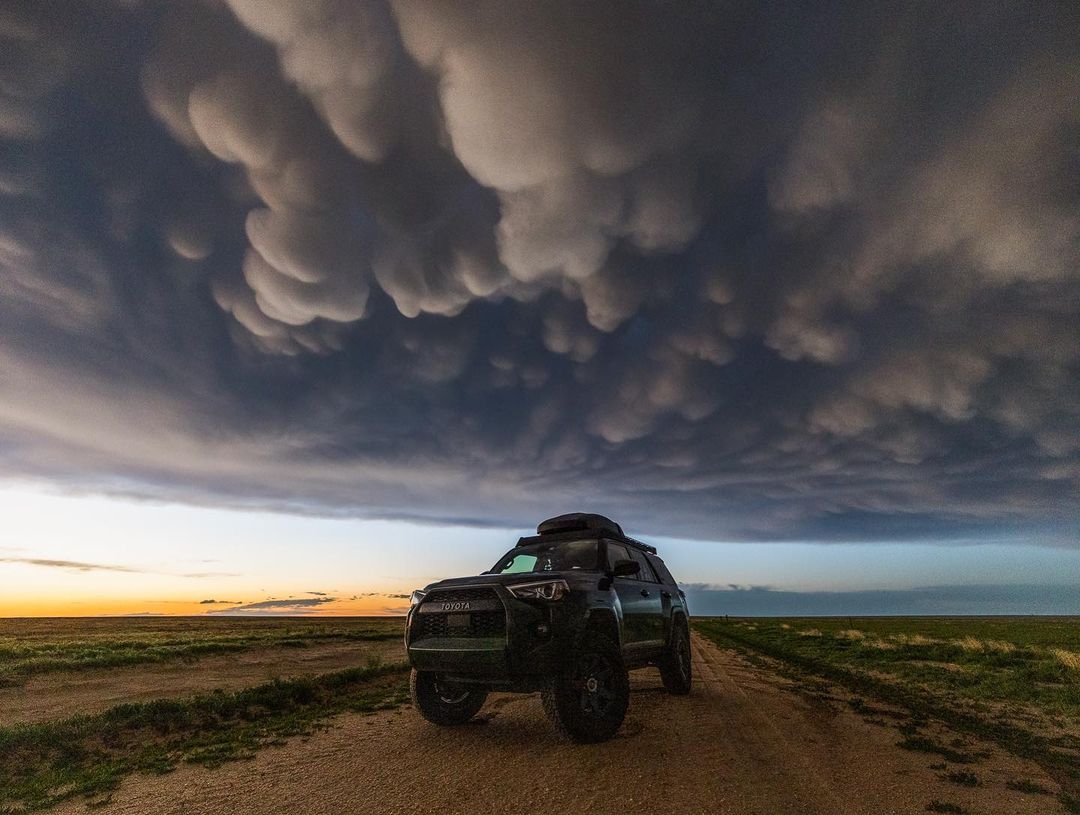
(35, 646)
(44, 762)
(1012, 680)
(1015, 680)
(1016, 661)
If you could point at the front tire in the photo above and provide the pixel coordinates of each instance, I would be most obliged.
(443, 703)
(676, 669)
(587, 701)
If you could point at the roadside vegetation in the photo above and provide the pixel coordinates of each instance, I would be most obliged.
(29, 647)
(1015, 681)
(43, 764)
(1016, 662)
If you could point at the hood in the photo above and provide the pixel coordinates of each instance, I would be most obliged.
(573, 577)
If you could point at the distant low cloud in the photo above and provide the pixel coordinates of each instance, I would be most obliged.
(1018, 599)
(75, 565)
(304, 605)
(218, 602)
(83, 566)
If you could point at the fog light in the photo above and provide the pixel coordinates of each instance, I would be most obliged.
(542, 629)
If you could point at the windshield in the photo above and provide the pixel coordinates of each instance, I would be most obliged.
(550, 557)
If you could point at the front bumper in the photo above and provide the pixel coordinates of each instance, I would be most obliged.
(509, 657)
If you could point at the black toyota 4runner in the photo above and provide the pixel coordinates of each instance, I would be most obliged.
(566, 612)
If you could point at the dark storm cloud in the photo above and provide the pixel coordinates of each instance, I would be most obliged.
(760, 273)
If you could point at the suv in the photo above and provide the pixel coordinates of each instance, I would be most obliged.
(566, 612)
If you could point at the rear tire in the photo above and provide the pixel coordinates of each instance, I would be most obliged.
(587, 700)
(443, 703)
(676, 669)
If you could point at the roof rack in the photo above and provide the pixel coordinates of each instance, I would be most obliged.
(577, 525)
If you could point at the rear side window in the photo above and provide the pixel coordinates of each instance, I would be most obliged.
(615, 553)
(661, 570)
(647, 574)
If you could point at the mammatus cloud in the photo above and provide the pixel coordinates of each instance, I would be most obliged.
(777, 273)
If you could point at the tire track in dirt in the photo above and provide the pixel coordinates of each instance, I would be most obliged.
(757, 728)
(742, 743)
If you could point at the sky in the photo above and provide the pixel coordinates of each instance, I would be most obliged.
(77, 555)
(792, 288)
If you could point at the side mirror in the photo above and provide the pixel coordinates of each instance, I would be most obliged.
(625, 568)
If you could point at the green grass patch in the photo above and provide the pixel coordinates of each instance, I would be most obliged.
(962, 777)
(924, 744)
(29, 647)
(1025, 661)
(43, 764)
(1028, 786)
(942, 806)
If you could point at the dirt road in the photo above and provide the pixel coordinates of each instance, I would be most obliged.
(742, 742)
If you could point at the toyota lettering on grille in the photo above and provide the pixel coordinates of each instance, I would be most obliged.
(457, 606)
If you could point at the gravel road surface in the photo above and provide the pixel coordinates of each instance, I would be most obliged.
(745, 741)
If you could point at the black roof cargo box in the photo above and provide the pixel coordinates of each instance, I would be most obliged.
(579, 522)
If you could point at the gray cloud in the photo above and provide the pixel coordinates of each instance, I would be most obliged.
(784, 273)
(82, 566)
(290, 606)
(71, 564)
(752, 601)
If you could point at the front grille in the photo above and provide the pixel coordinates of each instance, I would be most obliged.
(483, 623)
(460, 595)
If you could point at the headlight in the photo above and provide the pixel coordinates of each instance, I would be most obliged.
(541, 590)
(417, 597)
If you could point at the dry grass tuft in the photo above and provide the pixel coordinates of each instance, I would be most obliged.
(881, 645)
(913, 639)
(970, 643)
(1070, 659)
(850, 634)
(976, 644)
(810, 632)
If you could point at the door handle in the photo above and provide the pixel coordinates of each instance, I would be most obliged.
(644, 592)
(666, 595)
